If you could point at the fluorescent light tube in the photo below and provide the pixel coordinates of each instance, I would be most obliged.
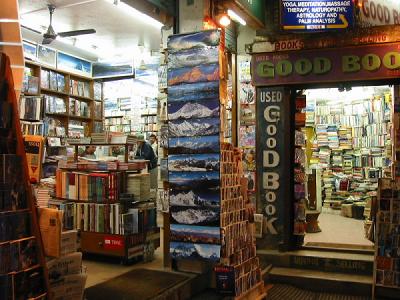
(236, 17)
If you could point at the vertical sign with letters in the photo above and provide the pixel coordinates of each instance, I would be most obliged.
(274, 171)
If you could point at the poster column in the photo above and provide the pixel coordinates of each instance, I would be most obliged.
(274, 171)
(194, 145)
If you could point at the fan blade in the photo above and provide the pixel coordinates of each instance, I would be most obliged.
(47, 41)
(76, 32)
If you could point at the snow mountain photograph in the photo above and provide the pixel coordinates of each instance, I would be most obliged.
(193, 109)
(194, 162)
(194, 127)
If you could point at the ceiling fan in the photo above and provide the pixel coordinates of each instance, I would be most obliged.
(50, 35)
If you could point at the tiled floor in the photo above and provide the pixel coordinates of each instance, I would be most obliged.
(337, 229)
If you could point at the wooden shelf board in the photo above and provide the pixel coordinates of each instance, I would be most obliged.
(80, 118)
(44, 90)
(57, 115)
(80, 97)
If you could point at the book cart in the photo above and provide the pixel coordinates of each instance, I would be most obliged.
(23, 272)
(107, 237)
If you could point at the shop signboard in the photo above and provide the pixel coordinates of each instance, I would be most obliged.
(254, 8)
(368, 62)
(379, 12)
(316, 15)
(273, 149)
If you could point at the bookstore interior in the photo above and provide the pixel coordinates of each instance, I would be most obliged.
(342, 148)
(110, 160)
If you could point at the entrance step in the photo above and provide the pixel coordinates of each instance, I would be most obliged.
(326, 261)
(319, 281)
(365, 249)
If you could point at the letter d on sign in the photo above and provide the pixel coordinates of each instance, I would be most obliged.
(271, 159)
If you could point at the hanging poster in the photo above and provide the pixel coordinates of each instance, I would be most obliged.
(201, 73)
(194, 127)
(194, 145)
(193, 109)
(192, 58)
(194, 162)
(194, 91)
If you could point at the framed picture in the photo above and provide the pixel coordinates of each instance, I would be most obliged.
(47, 56)
(73, 64)
(109, 69)
(30, 50)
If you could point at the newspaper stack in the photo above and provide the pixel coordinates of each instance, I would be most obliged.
(139, 186)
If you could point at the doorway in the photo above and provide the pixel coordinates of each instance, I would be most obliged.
(343, 149)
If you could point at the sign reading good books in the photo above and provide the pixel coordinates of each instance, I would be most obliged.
(316, 15)
(367, 62)
(273, 146)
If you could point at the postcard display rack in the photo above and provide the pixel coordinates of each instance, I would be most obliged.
(247, 129)
(59, 104)
(97, 201)
(300, 176)
(387, 236)
(208, 216)
(22, 269)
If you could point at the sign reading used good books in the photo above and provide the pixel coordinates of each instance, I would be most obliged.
(194, 145)
(316, 15)
(365, 62)
(273, 147)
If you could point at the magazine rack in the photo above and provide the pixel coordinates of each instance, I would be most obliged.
(30, 282)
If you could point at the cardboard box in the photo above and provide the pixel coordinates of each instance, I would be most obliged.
(69, 242)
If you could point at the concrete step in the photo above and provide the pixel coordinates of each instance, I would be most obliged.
(320, 281)
(327, 261)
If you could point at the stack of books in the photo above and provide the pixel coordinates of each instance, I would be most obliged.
(100, 138)
(345, 138)
(122, 139)
(333, 140)
(139, 186)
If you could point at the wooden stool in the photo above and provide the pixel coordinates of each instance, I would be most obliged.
(312, 221)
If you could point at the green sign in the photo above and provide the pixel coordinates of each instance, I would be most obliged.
(255, 8)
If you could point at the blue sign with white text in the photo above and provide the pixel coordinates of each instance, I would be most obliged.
(316, 15)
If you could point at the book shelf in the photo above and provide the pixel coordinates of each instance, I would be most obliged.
(99, 200)
(71, 104)
(23, 272)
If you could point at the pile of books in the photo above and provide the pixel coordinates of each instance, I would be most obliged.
(139, 186)
(122, 139)
(100, 137)
(333, 140)
(345, 138)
